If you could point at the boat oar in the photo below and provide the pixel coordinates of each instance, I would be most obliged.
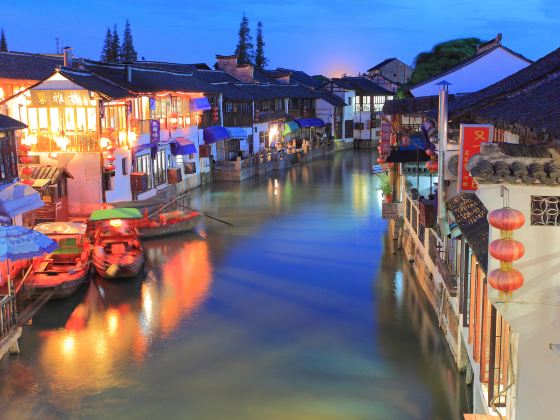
(215, 218)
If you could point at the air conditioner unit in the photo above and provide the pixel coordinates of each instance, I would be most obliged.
(451, 165)
(174, 175)
(139, 182)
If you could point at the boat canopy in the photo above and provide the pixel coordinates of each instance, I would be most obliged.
(61, 228)
(119, 213)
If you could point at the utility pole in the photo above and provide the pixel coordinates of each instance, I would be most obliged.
(442, 145)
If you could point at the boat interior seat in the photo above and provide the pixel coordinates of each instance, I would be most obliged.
(118, 248)
(65, 258)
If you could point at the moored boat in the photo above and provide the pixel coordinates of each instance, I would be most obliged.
(64, 270)
(169, 223)
(117, 251)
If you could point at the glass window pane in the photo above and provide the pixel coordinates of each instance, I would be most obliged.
(92, 119)
(55, 120)
(43, 119)
(69, 122)
(32, 115)
(81, 122)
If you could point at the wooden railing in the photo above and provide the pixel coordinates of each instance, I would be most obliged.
(8, 315)
(78, 142)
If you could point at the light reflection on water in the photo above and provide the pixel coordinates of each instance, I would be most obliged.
(300, 310)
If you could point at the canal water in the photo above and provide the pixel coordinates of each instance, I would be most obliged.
(300, 310)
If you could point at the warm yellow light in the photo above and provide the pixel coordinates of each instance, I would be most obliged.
(273, 132)
(62, 142)
(30, 140)
(116, 223)
(187, 120)
(132, 137)
(112, 321)
(122, 136)
(68, 345)
(104, 142)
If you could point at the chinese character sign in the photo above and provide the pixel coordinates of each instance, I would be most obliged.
(55, 98)
(471, 136)
(385, 138)
(154, 131)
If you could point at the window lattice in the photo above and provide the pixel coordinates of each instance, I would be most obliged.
(545, 210)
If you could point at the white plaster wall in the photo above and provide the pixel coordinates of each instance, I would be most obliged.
(533, 311)
(483, 72)
(325, 111)
(120, 182)
(84, 190)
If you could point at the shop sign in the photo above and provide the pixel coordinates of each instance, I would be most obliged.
(56, 98)
(390, 211)
(385, 138)
(154, 131)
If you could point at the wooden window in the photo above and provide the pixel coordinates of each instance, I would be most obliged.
(124, 166)
(499, 358)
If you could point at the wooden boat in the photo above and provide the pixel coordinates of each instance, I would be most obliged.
(170, 223)
(117, 251)
(63, 271)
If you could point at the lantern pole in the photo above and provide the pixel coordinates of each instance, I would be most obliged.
(442, 145)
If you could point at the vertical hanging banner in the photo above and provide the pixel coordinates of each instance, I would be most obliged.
(154, 131)
(470, 138)
(385, 138)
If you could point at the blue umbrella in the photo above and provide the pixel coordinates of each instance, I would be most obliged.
(21, 243)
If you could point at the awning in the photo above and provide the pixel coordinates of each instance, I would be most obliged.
(237, 132)
(214, 134)
(136, 150)
(45, 175)
(200, 104)
(310, 122)
(290, 127)
(118, 213)
(407, 156)
(182, 146)
(18, 198)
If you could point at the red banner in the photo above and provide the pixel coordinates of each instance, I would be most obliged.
(385, 138)
(471, 136)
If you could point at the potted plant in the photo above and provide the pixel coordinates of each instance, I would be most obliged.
(385, 186)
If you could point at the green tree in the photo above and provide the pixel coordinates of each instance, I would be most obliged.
(244, 50)
(107, 47)
(127, 52)
(443, 56)
(260, 60)
(115, 46)
(3, 42)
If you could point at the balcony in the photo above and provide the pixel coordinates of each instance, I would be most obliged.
(74, 142)
(232, 119)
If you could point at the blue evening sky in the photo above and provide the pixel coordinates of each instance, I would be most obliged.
(327, 36)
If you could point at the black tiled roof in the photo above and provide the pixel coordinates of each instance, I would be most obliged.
(89, 81)
(25, 66)
(419, 105)
(383, 63)
(303, 78)
(514, 163)
(471, 217)
(526, 103)
(148, 80)
(362, 85)
(7, 123)
(331, 98)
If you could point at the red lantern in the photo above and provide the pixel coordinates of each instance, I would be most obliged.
(28, 181)
(110, 168)
(25, 159)
(405, 141)
(506, 250)
(111, 148)
(505, 281)
(430, 152)
(506, 219)
(380, 160)
(432, 165)
(25, 147)
(27, 171)
(110, 158)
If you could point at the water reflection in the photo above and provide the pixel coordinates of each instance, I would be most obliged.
(300, 310)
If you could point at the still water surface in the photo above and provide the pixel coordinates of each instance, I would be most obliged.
(298, 311)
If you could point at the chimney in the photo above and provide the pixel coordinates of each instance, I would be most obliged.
(128, 71)
(67, 53)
